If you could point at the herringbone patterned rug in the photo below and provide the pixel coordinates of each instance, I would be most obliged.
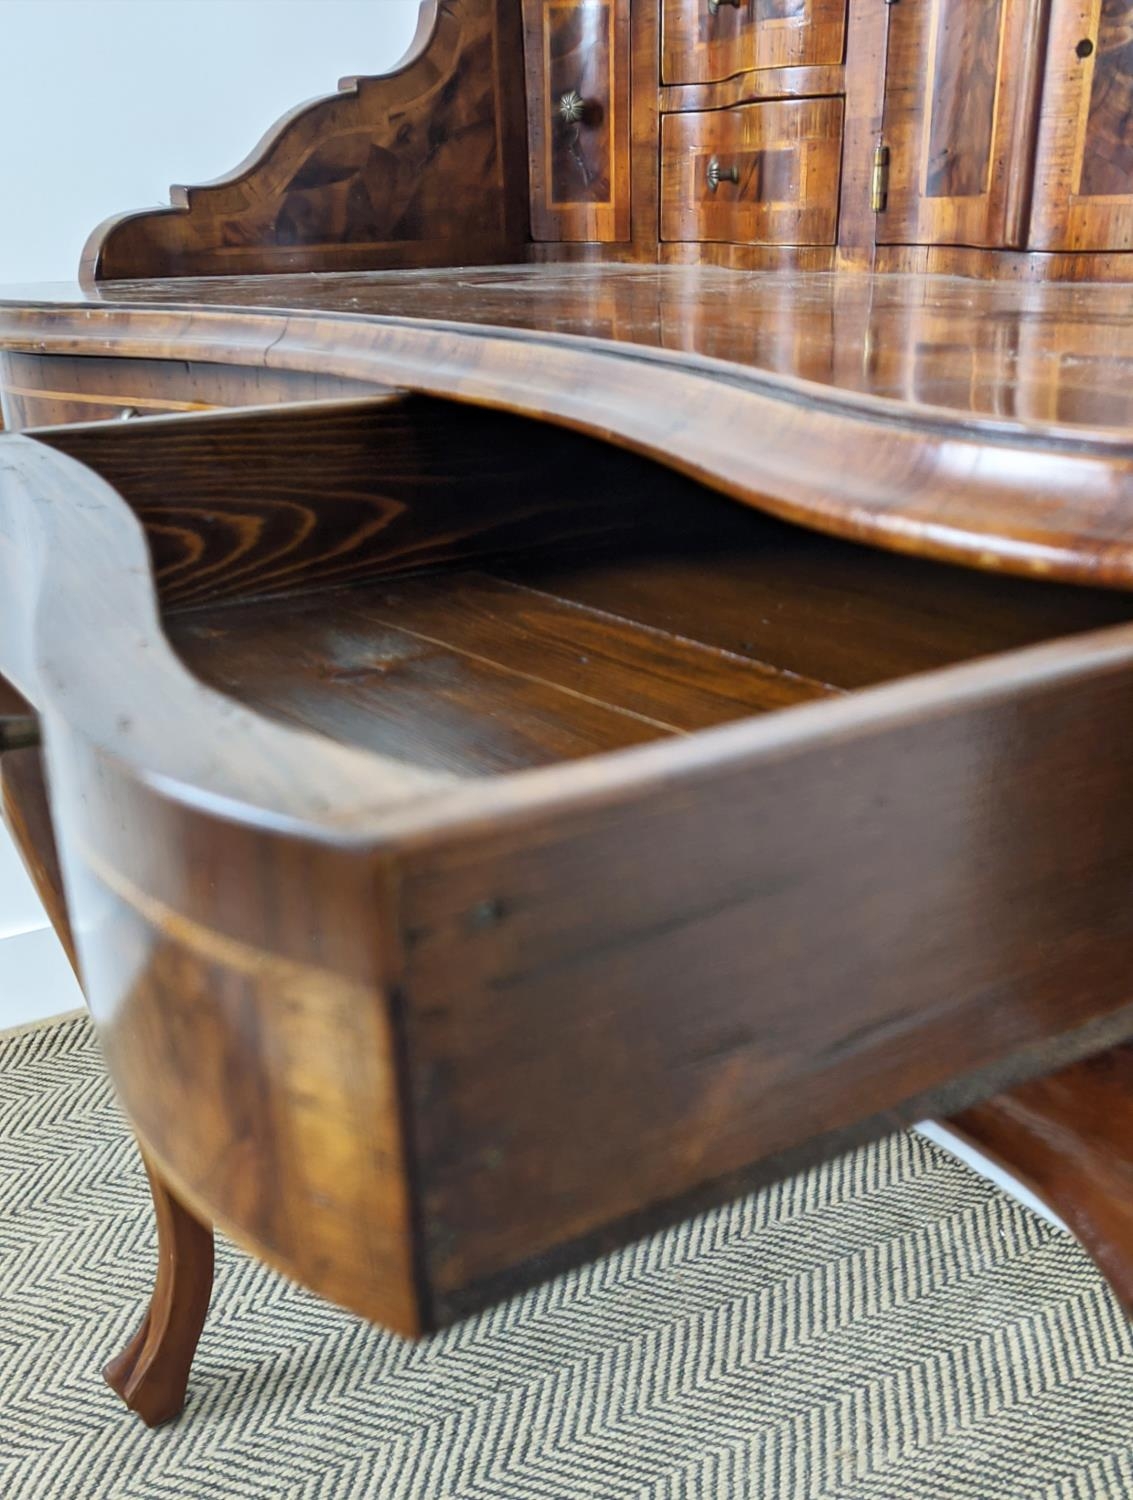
(887, 1328)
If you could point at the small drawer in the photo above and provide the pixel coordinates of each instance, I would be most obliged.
(47, 390)
(577, 55)
(702, 41)
(763, 174)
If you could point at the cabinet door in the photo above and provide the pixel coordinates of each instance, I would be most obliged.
(702, 42)
(577, 55)
(960, 115)
(1084, 170)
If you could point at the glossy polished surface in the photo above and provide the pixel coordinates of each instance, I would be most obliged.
(1045, 355)
(982, 423)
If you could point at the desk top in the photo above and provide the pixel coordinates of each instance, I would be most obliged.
(984, 422)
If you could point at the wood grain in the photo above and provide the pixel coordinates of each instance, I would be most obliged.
(786, 156)
(866, 920)
(383, 1023)
(1084, 197)
(1107, 158)
(699, 46)
(152, 1373)
(580, 178)
(987, 423)
(867, 56)
(961, 150)
(47, 390)
(962, 114)
(487, 841)
(755, 86)
(424, 166)
(270, 502)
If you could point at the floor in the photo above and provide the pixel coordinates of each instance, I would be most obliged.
(36, 982)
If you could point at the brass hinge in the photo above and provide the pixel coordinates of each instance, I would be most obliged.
(879, 182)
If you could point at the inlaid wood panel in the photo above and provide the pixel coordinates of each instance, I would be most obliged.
(1084, 181)
(786, 161)
(700, 44)
(421, 166)
(963, 103)
(960, 98)
(578, 68)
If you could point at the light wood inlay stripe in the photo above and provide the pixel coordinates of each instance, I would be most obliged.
(83, 398)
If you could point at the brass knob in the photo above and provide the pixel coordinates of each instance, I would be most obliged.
(714, 5)
(572, 107)
(718, 174)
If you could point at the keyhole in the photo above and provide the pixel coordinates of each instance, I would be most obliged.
(1084, 47)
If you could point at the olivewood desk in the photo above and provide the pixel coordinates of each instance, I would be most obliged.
(634, 694)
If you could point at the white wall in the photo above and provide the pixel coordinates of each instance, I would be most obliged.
(104, 103)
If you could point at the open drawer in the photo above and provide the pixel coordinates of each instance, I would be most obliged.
(482, 842)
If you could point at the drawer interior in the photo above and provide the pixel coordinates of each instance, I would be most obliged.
(479, 594)
(497, 667)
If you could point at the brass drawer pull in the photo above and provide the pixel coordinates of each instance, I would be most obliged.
(714, 5)
(717, 174)
(572, 108)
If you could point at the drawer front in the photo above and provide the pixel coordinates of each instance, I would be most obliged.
(701, 42)
(763, 174)
(46, 390)
(577, 54)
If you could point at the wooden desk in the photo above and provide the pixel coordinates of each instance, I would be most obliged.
(503, 803)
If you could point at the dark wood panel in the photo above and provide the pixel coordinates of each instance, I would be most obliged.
(679, 684)
(867, 50)
(580, 161)
(424, 166)
(1107, 162)
(962, 116)
(1084, 173)
(580, 187)
(785, 157)
(357, 668)
(580, 61)
(461, 672)
(832, 613)
(667, 983)
(266, 503)
(960, 152)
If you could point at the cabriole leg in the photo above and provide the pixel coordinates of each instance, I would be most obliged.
(152, 1372)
